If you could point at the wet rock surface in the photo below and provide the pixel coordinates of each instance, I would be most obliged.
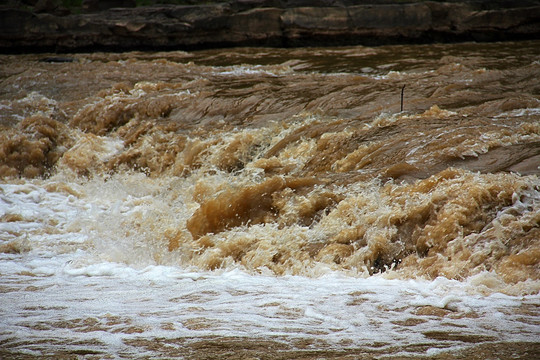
(46, 26)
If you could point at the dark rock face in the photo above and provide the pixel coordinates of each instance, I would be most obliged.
(100, 5)
(266, 23)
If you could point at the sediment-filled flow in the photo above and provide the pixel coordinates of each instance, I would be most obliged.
(278, 163)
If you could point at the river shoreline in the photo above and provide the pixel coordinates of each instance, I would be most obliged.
(270, 23)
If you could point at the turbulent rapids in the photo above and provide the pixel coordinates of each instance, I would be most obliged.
(278, 162)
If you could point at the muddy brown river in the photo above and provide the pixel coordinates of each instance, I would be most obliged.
(258, 203)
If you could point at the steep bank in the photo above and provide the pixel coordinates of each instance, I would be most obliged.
(280, 23)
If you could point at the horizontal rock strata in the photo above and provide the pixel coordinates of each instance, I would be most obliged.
(269, 23)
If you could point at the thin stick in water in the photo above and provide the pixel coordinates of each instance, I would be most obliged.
(402, 89)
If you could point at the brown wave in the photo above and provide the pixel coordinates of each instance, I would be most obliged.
(33, 147)
(296, 168)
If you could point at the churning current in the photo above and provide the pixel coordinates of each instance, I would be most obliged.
(349, 202)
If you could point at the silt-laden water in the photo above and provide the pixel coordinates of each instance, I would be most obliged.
(272, 203)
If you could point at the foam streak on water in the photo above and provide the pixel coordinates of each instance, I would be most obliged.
(107, 307)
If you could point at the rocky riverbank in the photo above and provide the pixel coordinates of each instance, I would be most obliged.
(280, 23)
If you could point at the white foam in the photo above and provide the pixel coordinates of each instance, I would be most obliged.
(233, 303)
(90, 282)
(518, 113)
(242, 70)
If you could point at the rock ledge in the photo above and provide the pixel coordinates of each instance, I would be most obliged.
(277, 23)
